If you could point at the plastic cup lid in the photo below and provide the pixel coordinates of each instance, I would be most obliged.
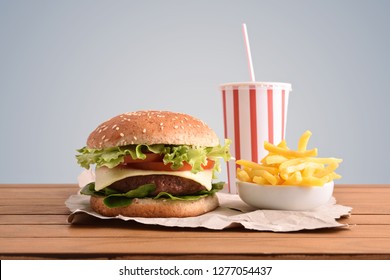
(286, 86)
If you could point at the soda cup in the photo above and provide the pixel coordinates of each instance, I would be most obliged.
(253, 112)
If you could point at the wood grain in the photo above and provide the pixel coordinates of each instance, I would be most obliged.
(33, 224)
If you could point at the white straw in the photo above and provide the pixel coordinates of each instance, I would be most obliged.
(248, 52)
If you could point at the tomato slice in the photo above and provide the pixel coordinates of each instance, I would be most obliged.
(150, 157)
(160, 166)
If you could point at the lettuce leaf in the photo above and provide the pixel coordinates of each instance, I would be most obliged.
(175, 155)
(114, 198)
(124, 199)
(114, 156)
(215, 188)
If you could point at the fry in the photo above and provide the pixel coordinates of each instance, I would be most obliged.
(334, 175)
(253, 165)
(274, 159)
(314, 181)
(289, 153)
(302, 143)
(327, 170)
(283, 144)
(260, 180)
(299, 166)
(308, 171)
(325, 160)
(283, 166)
(294, 179)
(269, 177)
(242, 175)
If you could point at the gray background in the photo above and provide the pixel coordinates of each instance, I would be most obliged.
(66, 66)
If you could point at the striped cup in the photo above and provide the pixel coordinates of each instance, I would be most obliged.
(253, 112)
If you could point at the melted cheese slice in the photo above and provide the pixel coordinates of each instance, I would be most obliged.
(106, 176)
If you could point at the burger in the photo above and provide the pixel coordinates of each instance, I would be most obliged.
(153, 164)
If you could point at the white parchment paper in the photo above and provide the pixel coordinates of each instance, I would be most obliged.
(234, 212)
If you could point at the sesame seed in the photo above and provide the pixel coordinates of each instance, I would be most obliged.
(104, 136)
(135, 137)
(113, 126)
(117, 128)
(182, 127)
(161, 124)
(144, 130)
(175, 127)
(161, 127)
(121, 134)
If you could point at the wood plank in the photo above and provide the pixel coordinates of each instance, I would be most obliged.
(184, 245)
(338, 187)
(144, 256)
(369, 204)
(124, 230)
(25, 202)
(366, 220)
(365, 207)
(67, 185)
(384, 189)
(350, 197)
(62, 219)
(351, 220)
(361, 195)
(38, 193)
(361, 186)
(57, 206)
(14, 186)
(34, 210)
(34, 220)
(365, 203)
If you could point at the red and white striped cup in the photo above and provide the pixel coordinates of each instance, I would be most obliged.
(253, 112)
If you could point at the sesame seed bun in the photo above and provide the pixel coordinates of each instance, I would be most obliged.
(152, 127)
(157, 208)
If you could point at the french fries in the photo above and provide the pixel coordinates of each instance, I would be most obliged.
(283, 166)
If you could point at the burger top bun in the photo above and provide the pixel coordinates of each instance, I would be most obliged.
(152, 127)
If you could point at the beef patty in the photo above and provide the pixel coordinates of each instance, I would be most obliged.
(174, 185)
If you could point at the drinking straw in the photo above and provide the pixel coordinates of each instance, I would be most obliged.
(248, 52)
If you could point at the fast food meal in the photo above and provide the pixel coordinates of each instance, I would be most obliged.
(283, 166)
(153, 164)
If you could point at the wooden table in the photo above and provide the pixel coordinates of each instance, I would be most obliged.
(33, 225)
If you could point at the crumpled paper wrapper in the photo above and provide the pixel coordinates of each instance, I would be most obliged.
(232, 212)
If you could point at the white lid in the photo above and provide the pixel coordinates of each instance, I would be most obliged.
(286, 86)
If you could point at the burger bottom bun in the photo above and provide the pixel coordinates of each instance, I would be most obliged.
(157, 208)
